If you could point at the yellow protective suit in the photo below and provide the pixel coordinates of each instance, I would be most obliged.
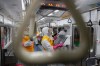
(30, 47)
(47, 41)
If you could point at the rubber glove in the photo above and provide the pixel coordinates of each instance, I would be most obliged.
(60, 45)
(55, 47)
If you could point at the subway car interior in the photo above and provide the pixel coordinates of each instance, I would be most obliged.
(49, 32)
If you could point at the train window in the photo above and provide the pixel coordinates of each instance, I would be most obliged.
(76, 37)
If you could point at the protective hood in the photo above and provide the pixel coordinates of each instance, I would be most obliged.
(45, 30)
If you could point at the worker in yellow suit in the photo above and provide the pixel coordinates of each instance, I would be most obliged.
(28, 43)
(48, 44)
(47, 40)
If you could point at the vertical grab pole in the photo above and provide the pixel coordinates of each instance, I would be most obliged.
(31, 26)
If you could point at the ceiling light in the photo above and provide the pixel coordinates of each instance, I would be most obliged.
(50, 4)
(50, 14)
(42, 18)
(56, 10)
(91, 50)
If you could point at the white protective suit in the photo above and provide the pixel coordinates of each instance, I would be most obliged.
(63, 37)
(45, 43)
(67, 41)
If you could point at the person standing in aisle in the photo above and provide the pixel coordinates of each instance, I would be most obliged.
(67, 35)
(48, 44)
(47, 40)
(28, 43)
(63, 37)
(37, 42)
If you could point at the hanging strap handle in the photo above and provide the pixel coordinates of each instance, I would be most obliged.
(58, 55)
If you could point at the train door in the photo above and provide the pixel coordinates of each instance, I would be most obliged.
(76, 42)
(5, 36)
(76, 35)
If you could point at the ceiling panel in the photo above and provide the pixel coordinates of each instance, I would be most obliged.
(12, 8)
(86, 5)
(82, 5)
